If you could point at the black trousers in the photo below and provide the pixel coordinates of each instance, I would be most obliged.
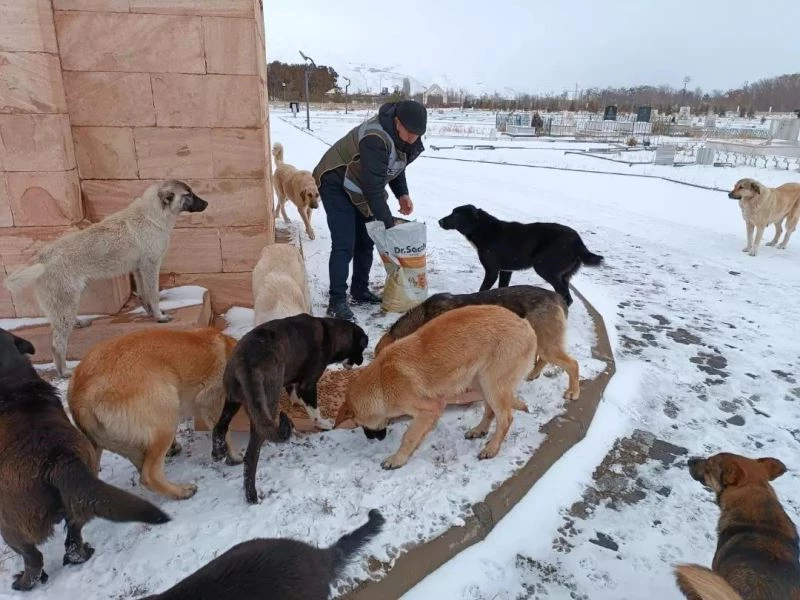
(349, 242)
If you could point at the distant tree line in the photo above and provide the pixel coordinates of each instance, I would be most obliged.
(781, 93)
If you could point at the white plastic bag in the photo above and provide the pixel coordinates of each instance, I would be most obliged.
(403, 250)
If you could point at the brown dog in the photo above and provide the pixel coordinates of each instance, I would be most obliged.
(757, 548)
(48, 470)
(546, 311)
(484, 347)
(762, 206)
(295, 185)
(129, 394)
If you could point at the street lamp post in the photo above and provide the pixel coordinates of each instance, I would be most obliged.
(345, 93)
(686, 80)
(309, 62)
(284, 92)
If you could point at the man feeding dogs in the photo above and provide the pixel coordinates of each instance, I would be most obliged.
(352, 177)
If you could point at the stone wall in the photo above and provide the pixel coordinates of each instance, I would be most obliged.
(99, 98)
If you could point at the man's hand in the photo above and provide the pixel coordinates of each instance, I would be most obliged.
(406, 205)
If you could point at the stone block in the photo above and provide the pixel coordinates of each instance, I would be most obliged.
(206, 100)
(206, 8)
(238, 153)
(36, 143)
(163, 152)
(30, 82)
(6, 220)
(27, 26)
(115, 99)
(101, 297)
(45, 198)
(105, 152)
(92, 5)
(230, 45)
(227, 289)
(193, 250)
(93, 41)
(241, 247)
(231, 202)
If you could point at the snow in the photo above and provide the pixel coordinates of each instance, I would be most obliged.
(701, 333)
(177, 297)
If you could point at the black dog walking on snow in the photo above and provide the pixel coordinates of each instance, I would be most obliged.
(554, 251)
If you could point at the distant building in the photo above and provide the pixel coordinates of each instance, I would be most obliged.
(434, 96)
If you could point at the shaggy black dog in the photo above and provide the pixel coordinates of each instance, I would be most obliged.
(274, 569)
(287, 353)
(48, 470)
(554, 251)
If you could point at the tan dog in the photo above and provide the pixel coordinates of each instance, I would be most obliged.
(295, 185)
(757, 547)
(132, 240)
(480, 347)
(546, 311)
(762, 206)
(280, 288)
(129, 394)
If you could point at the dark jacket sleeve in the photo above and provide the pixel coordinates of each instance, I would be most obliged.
(374, 170)
(398, 185)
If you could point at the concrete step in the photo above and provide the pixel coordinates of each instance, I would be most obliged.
(189, 307)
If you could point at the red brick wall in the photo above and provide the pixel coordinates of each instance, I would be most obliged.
(116, 94)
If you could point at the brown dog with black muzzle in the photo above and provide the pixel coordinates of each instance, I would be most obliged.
(757, 547)
(486, 348)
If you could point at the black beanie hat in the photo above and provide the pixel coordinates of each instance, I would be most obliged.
(413, 116)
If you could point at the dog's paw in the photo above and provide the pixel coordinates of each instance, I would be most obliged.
(78, 554)
(82, 323)
(475, 433)
(746, 249)
(174, 449)
(487, 453)
(234, 459)
(572, 395)
(164, 318)
(770, 243)
(324, 424)
(394, 462)
(23, 584)
(310, 233)
(66, 373)
(185, 491)
(753, 253)
(782, 246)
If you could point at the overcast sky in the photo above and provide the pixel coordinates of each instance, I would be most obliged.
(534, 46)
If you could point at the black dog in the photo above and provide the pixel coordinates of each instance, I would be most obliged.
(274, 569)
(554, 251)
(48, 470)
(292, 353)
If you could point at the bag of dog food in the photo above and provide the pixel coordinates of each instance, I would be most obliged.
(403, 252)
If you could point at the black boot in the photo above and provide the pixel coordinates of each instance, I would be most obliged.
(338, 309)
(366, 297)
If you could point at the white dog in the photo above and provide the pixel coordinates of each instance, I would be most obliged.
(134, 239)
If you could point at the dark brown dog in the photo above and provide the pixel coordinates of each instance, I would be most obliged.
(289, 353)
(48, 470)
(274, 569)
(546, 311)
(757, 546)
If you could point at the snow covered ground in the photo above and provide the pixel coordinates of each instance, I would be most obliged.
(706, 358)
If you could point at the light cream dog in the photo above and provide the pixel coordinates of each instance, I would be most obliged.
(295, 185)
(762, 206)
(134, 239)
(485, 347)
(129, 394)
(280, 288)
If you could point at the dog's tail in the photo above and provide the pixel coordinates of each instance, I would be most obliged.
(85, 495)
(254, 386)
(23, 277)
(699, 582)
(588, 258)
(277, 152)
(350, 543)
